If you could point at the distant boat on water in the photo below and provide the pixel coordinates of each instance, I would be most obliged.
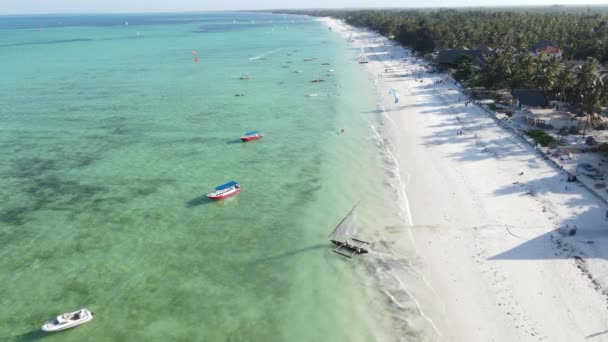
(363, 58)
(68, 320)
(343, 236)
(350, 39)
(251, 136)
(225, 190)
(126, 23)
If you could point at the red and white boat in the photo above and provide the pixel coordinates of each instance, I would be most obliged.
(250, 136)
(225, 190)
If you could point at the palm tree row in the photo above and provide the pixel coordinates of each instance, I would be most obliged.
(581, 33)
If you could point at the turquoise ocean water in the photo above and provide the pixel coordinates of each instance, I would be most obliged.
(111, 133)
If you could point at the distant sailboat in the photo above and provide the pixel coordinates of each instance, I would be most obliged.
(126, 23)
(343, 237)
(363, 58)
(395, 94)
(350, 39)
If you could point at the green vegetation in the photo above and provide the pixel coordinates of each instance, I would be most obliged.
(541, 137)
(580, 32)
(603, 147)
(464, 70)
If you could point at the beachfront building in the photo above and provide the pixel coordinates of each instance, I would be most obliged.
(553, 118)
(448, 58)
(547, 48)
(530, 98)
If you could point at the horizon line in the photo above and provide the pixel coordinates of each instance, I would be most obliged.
(308, 9)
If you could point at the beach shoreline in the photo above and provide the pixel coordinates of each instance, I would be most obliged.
(484, 252)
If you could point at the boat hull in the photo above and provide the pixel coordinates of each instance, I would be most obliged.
(356, 249)
(220, 196)
(251, 138)
(52, 327)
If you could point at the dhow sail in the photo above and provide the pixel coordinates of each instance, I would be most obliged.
(343, 236)
(345, 229)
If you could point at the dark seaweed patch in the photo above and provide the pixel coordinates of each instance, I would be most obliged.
(120, 131)
(51, 193)
(114, 120)
(149, 186)
(144, 191)
(33, 167)
(54, 189)
(14, 216)
(83, 160)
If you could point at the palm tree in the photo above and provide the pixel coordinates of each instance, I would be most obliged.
(590, 89)
(604, 90)
(564, 80)
(545, 77)
(585, 79)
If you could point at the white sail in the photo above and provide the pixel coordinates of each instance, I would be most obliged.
(363, 58)
(346, 228)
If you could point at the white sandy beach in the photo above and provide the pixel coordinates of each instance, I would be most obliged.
(483, 215)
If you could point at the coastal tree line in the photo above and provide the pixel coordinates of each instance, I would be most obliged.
(582, 34)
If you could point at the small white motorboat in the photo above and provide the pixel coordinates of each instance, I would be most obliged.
(68, 320)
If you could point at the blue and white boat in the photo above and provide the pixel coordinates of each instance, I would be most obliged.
(225, 190)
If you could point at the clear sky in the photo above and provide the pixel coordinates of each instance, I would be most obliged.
(132, 6)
